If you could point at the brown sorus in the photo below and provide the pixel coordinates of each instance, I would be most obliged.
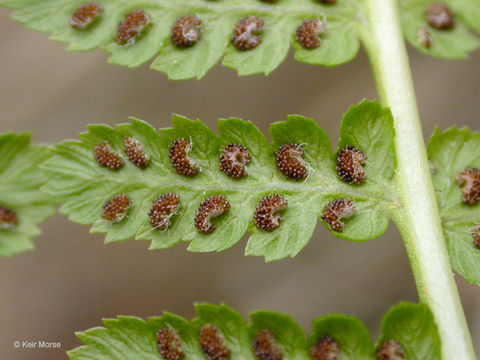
(246, 34)
(135, 152)
(233, 160)
(325, 348)
(350, 162)
(265, 346)
(212, 207)
(163, 209)
(308, 34)
(265, 211)
(85, 15)
(8, 218)
(390, 350)
(186, 31)
(212, 343)
(469, 179)
(335, 211)
(327, 1)
(476, 235)
(106, 157)
(439, 16)
(425, 38)
(131, 27)
(290, 161)
(179, 156)
(169, 345)
(115, 209)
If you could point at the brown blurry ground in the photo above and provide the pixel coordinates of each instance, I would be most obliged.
(72, 280)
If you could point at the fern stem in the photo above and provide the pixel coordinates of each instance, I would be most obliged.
(419, 223)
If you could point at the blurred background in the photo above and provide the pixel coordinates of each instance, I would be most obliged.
(72, 280)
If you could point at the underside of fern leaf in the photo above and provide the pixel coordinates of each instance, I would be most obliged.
(448, 33)
(218, 332)
(187, 38)
(166, 193)
(455, 159)
(22, 205)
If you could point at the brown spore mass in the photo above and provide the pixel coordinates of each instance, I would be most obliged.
(336, 210)
(212, 207)
(85, 15)
(233, 159)
(135, 152)
(179, 157)
(425, 38)
(265, 346)
(131, 27)
(265, 213)
(390, 350)
(440, 16)
(186, 31)
(308, 34)
(325, 348)
(115, 209)
(106, 157)
(163, 209)
(469, 180)
(350, 163)
(212, 343)
(476, 235)
(169, 345)
(246, 33)
(290, 161)
(8, 218)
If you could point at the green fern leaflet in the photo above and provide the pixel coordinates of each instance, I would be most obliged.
(218, 332)
(321, 34)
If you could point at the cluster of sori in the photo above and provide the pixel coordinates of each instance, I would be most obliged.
(234, 158)
(106, 157)
(187, 30)
(8, 218)
(265, 347)
(247, 33)
(469, 180)
(438, 16)
(233, 161)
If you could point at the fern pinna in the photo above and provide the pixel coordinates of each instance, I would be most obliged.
(185, 39)
(188, 184)
(408, 331)
(191, 188)
(22, 205)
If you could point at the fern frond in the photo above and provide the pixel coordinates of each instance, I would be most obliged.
(452, 153)
(306, 190)
(218, 19)
(218, 332)
(440, 37)
(22, 205)
(332, 37)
